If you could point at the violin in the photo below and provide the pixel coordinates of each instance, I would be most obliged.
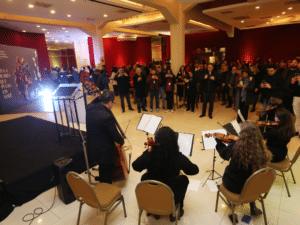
(222, 137)
(150, 143)
(267, 123)
(268, 109)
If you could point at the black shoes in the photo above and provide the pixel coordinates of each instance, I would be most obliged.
(224, 103)
(131, 109)
(202, 115)
(229, 106)
(210, 116)
(123, 110)
(172, 218)
(256, 211)
(157, 217)
(145, 110)
(139, 111)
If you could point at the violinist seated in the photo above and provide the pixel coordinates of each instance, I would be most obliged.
(247, 155)
(278, 137)
(164, 162)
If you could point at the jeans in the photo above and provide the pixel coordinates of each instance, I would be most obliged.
(152, 95)
(162, 92)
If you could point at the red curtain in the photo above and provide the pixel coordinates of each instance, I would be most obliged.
(91, 51)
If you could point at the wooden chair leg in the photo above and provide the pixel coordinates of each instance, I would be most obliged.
(287, 188)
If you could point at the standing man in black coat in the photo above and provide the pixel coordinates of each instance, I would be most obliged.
(123, 86)
(210, 83)
(102, 134)
(140, 85)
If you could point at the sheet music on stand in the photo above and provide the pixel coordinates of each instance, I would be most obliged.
(210, 143)
(232, 128)
(185, 143)
(149, 123)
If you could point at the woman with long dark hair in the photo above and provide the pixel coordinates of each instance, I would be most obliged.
(278, 137)
(247, 155)
(164, 162)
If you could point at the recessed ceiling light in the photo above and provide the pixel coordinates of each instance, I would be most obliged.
(24, 31)
(56, 41)
(290, 8)
(31, 6)
(242, 21)
(68, 15)
(73, 0)
(44, 29)
(63, 28)
(66, 41)
(47, 40)
(283, 12)
(66, 31)
(257, 7)
(271, 19)
(37, 25)
(52, 11)
(105, 15)
(267, 22)
(278, 16)
(52, 38)
(48, 32)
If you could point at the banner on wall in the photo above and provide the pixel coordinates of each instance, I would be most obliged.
(19, 77)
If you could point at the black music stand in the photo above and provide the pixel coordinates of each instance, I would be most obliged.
(211, 144)
(65, 98)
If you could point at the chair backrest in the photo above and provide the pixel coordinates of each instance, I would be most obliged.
(155, 197)
(82, 190)
(257, 184)
(296, 156)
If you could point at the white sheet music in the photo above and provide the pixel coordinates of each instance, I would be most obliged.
(149, 123)
(210, 143)
(185, 143)
(144, 121)
(236, 126)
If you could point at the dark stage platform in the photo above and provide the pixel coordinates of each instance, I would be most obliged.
(28, 148)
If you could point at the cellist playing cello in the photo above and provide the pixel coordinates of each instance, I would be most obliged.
(102, 134)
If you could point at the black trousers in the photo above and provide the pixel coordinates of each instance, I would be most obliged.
(140, 101)
(179, 187)
(208, 97)
(244, 110)
(106, 172)
(170, 99)
(122, 100)
(191, 98)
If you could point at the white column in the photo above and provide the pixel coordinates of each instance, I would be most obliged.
(82, 52)
(178, 41)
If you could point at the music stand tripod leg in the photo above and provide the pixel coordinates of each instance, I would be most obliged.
(213, 171)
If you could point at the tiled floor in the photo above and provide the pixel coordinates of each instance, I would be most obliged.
(199, 205)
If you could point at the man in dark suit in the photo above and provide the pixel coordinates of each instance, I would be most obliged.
(210, 82)
(102, 134)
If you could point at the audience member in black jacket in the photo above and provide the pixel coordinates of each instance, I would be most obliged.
(278, 137)
(224, 87)
(139, 81)
(164, 162)
(231, 83)
(102, 134)
(258, 76)
(210, 83)
(247, 155)
(270, 83)
(169, 88)
(180, 76)
(123, 86)
(190, 91)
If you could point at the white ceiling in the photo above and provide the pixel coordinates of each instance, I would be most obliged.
(268, 14)
(79, 10)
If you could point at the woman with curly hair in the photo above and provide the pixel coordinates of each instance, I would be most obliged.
(248, 154)
(164, 162)
(278, 137)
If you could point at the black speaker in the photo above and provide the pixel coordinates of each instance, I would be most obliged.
(60, 169)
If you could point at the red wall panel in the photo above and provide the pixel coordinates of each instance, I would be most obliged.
(27, 40)
(121, 53)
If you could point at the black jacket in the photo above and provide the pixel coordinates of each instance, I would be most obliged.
(235, 175)
(181, 163)
(276, 82)
(211, 85)
(140, 86)
(123, 83)
(101, 133)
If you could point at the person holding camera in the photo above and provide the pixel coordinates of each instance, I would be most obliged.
(169, 87)
(244, 94)
(123, 86)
